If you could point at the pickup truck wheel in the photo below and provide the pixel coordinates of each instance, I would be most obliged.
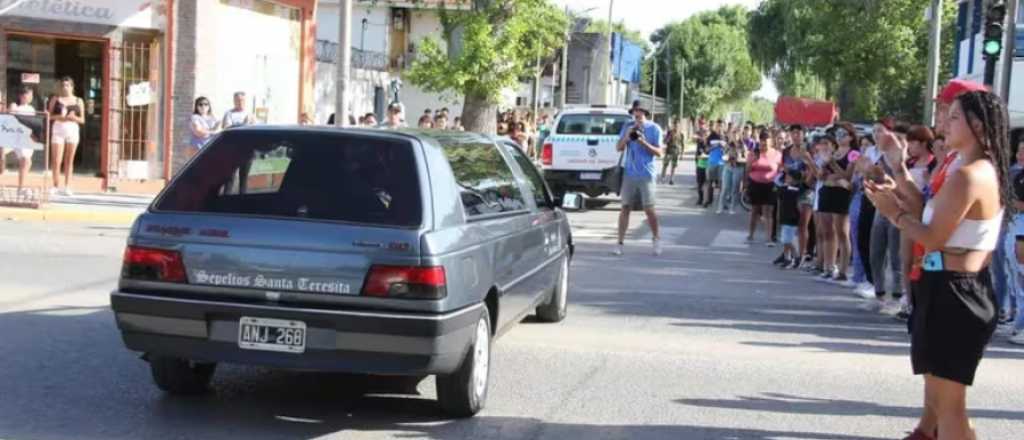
(181, 376)
(557, 306)
(463, 393)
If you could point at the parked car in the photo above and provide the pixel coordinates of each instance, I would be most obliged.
(364, 251)
(579, 155)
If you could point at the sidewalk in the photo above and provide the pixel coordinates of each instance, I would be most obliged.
(113, 209)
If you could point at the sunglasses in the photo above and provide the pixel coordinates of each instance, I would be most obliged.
(204, 104)
(840, 134)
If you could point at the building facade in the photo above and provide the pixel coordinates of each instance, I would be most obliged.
(139, 64)
(385, 36)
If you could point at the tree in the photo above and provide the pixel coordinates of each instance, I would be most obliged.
(719, 69)
(488, 46)
(868, 55)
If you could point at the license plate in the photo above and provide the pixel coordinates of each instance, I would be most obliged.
(590, 176)
(272, 335)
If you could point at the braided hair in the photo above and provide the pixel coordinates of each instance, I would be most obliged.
(989, 110)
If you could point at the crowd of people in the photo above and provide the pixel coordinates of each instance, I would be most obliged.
(66, 112)
(917, 220)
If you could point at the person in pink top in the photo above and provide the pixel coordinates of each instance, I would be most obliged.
(763, 171)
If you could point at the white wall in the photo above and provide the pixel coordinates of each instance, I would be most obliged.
(362, 84)
(263, 64)
(377, 30)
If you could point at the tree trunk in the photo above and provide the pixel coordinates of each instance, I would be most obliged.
(479, 114)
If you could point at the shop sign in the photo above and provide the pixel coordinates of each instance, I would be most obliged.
(30, 78)
(13, 134)
(139, 94)
(145, 14)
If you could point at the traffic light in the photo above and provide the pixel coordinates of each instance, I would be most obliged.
(994, 19)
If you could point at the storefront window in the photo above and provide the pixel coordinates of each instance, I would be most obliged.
(39, 62)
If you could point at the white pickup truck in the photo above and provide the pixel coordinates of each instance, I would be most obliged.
(579, 154)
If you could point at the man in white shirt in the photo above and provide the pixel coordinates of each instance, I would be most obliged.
(237, 116)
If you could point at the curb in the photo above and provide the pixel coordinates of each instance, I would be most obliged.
(68, 216)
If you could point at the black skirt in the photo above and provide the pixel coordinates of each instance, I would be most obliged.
(761, 194)
(834, 200)
(953, 319)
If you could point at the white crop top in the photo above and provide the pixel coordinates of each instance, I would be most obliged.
(978, 235)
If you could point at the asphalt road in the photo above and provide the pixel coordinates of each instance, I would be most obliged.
(707, 342)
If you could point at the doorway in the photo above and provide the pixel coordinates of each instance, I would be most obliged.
(39, 62)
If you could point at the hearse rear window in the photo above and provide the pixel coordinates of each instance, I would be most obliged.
(311, 175)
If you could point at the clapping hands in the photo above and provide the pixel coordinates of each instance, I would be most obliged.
(893, 146)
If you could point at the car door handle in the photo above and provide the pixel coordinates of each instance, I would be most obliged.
(592, 142)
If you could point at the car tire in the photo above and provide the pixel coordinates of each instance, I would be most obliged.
(181, 376)
(464, 392)
(558, 304)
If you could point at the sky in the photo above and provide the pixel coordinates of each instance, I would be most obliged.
(647, 16)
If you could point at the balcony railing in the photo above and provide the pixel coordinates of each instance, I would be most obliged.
(327, 52)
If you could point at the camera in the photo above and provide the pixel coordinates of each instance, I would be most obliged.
(635, 133)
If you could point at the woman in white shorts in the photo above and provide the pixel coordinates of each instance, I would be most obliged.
(23, 107)
(67, 112)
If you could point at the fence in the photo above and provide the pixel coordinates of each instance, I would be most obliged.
(327, 52)
(20, 132)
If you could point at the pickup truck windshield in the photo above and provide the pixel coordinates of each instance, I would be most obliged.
(591, 124)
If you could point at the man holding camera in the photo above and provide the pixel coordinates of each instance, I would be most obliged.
(640, 143)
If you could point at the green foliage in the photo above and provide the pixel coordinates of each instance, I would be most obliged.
(869, 55)
(718, 66)
(500, 41)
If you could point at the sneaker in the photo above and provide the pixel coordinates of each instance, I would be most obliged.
(890, 308)
(1005, 317)
(719, 211)
(828, 275)
(843, 281)
(864, 290)
(749, 240)
(732, 211)
(1017, 339)
(793, 265)
(618, 250)
(657, 248)
(671, 182)
(872, 305)
(781, 261)
(1004, 329)
(770, 244)
(67, 192)
(54, 191)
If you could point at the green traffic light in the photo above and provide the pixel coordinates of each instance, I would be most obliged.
(993, 47)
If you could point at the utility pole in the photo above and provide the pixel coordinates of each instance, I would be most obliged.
(934, 55)
(682, 84)
(654, 85)
(1009, 49)
(607, 62)
(565, 66)
(344, 62)
(536, 87)
(668, 80)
